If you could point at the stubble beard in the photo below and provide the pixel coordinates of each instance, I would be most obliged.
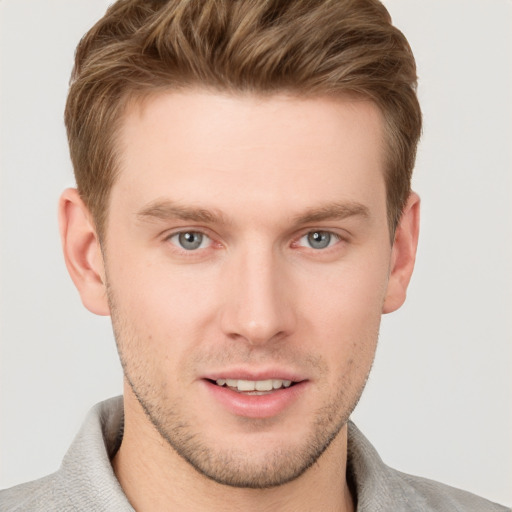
(231, 467)
(234, 468)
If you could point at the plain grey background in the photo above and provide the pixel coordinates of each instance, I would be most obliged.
(439, 401)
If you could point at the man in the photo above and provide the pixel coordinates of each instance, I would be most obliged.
(244, 214)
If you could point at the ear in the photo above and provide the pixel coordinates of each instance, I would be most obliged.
(403, 254)
(82, 252)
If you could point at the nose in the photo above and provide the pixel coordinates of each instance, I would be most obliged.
(258, 300)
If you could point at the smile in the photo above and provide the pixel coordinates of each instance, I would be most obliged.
(256, 397)
(254, 386)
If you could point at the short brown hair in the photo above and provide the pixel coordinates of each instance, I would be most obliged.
(304, 47)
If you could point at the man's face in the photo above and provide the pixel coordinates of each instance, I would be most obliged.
(247, 249)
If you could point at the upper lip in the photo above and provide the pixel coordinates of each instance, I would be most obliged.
(255, 375)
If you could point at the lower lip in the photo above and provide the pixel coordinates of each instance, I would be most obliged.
(256, 406)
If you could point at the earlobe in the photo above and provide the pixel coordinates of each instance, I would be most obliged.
(403, 254)
(82, 252)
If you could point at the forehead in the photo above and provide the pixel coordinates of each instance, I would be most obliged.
(204, 147)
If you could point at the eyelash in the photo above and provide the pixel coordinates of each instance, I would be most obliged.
(334, 239)
(189, 232)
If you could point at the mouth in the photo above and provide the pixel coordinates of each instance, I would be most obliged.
(262, 396)
(254, 387)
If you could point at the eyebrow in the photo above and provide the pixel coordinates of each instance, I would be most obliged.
(167, 210)
(333, 211)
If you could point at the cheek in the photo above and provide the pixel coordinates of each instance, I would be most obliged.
(162, 304)
(348, 294)
(344, 313)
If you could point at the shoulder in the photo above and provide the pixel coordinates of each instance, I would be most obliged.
(379, 487)
(85, 481)
(429, 495)
(39, 495)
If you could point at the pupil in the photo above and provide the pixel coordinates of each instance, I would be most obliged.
(190, 240)
(319, 239)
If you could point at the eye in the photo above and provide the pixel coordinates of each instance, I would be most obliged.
(319, 239)
(190, 240)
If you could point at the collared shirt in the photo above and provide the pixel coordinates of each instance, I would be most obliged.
(86, 480)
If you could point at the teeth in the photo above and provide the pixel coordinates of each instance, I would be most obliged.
(254, 385)
(264, 385)
(246, 385)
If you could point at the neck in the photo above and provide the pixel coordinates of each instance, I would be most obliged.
(155, 478)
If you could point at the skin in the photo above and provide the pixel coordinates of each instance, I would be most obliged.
(256, 297)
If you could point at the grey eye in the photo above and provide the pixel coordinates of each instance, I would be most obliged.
(190, 240)
(318, 239)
